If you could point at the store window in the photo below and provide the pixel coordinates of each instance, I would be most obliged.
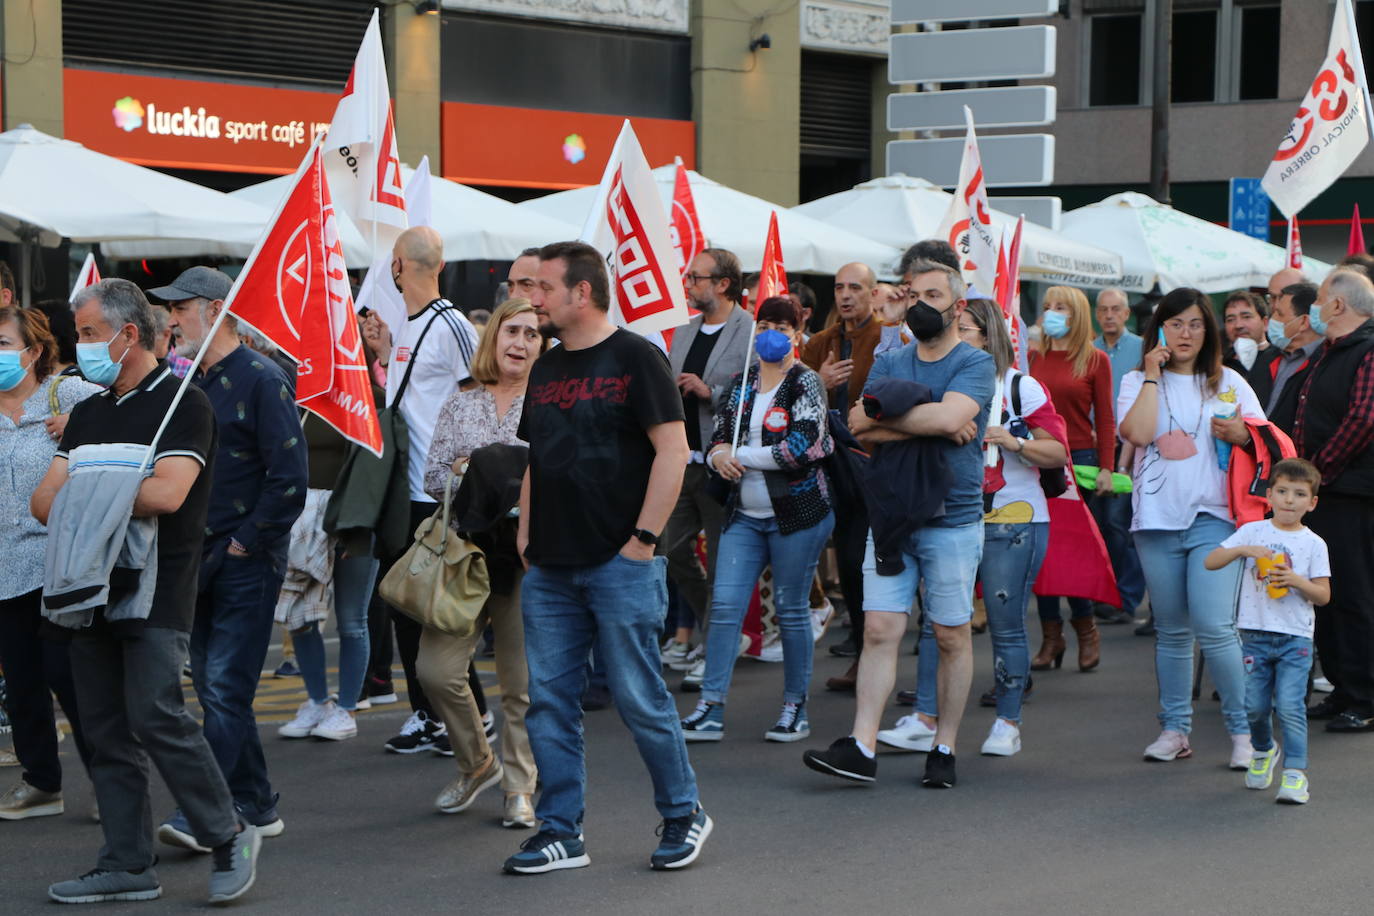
(1115, 45)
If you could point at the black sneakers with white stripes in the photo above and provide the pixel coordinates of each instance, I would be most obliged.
(548, 852)
(682, 839)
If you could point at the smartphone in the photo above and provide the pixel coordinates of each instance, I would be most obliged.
(1162, 342)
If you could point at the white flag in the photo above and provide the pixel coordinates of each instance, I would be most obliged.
(1331, 127)
(967, 225)
(361, 159)
(378, 291)
(628, 225)
(89, 275)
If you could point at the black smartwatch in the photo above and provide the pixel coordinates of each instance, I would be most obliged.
(646, 536)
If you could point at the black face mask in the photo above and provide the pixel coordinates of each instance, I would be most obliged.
(925, 321)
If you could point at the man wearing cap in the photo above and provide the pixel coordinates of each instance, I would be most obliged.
(257, 490)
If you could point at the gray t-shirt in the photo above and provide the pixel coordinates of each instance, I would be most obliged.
(968, 371)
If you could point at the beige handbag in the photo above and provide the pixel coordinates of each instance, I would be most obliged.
(442, 580)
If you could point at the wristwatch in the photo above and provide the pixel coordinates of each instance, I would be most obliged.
(1021, 443)
(646, 536)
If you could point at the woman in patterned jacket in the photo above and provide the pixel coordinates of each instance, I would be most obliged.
(778, 512)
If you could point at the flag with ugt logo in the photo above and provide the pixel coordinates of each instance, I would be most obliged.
(361, 158)
(1331, 127)
(294, 289)
(967, 225)
(629, 226)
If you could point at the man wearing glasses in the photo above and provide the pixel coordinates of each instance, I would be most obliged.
(706, 354)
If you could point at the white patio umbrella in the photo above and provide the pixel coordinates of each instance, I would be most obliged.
(900, 210)
(474, 225)
(52, 189)
(1159, 244)
(739, 222)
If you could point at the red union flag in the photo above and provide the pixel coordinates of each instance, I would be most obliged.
(628, 225)
(967, 225)
(1331, 127)
(361, 156)
(688, 239)
(1006, 290)
(294, 289)
(88, 276)
(1292, 251)
(773, 275)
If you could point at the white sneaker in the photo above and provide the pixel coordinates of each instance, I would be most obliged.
(1322, 685)
(1003, 741)
(336, 725)
(695, 675)
(674, 654)
(489, 727)
(744, 643)
(364, 703)
(1242, 752)
(1294, 788)
(771, 651)
(909, 734)
(308, 716)
(1172, 745)
(820, 620)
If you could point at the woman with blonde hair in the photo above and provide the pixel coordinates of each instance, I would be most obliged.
(486, 412)
(1078, 377)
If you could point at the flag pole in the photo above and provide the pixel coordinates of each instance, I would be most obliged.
(743, 385)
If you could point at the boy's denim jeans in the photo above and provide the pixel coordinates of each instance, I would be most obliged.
(1276, 670)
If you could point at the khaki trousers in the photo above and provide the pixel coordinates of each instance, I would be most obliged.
(442, 666)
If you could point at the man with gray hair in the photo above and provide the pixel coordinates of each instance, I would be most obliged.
(257, 491)
(128, 673)
(1335, 431)
(940, 559)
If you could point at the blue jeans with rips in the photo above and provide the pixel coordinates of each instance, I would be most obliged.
(1191, 602)
(622, 603)
(354, 578)
(746, 547)
(1276, 669)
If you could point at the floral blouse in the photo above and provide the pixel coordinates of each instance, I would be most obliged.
(468, 421)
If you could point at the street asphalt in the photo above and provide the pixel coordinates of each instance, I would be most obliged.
(1076, 823)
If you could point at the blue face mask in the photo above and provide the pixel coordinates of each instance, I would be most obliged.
(12, 371)
(772, 345)
(1315, 318)
(1274, 331)
(1055, 324)
(94, 361)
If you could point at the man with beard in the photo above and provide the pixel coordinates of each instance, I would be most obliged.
(707, 353)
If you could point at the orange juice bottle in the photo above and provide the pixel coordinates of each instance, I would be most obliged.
(1264, 565)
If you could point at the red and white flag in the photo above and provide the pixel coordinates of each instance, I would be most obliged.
(294, 289)
(378, 291)
(688, 239)
(773, 275)
(87, 276)
(1292, 249)
(967, 225)
(1007, 289)
(363, 164)
(628, 225)
(1331, 127)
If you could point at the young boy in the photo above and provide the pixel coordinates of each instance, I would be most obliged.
(1291, 576)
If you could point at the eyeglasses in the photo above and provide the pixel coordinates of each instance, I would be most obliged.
(967, 330)
(697, 278)
(1196, 326)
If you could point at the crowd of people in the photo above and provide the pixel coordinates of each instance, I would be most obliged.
(643, 512)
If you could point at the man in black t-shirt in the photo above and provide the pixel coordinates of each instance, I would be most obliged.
(607, 448)
(128, 677)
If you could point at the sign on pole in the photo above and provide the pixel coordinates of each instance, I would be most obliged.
(1019, 52)
(1012, 106)
(1043, 211)
(905, 12)
(1009, 160)
(1249, 208)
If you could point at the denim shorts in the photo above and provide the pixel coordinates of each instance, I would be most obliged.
(944, 560)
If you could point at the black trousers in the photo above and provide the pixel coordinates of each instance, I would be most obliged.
(851, 540)
(408, 638)
(35, 669)
(1345, 627)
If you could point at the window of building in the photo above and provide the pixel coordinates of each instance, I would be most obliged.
(1193, 66)
(1114, 59)
(1257, 53)
(1364, 27)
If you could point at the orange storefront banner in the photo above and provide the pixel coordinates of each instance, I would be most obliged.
(538, 148)
(192, 124)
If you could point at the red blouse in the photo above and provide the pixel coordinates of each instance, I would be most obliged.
(1080, 400)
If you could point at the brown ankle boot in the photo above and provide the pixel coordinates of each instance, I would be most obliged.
(1089, 643)
(1051, 652)
(845, 682)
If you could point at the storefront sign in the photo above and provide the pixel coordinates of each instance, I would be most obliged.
(191, 124)
(536, 148)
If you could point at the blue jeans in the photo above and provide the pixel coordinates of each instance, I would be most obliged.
(746, 547)
(353, 581)
(944, 560)
(1012, 555)
(229, 640)
(1277, 666)
(1191, 602)
(622, 603)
